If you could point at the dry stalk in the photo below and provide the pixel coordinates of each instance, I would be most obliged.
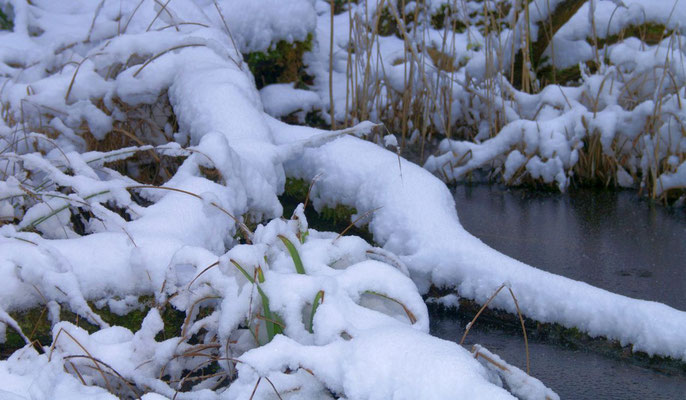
(97, 362)
(331, 104)
(521, 319)
(160, 54)
(214, 264)
(361, 217)
(246, 231)
(90, 357)
(189, 314)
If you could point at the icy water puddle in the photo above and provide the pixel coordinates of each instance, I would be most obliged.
(612, 240)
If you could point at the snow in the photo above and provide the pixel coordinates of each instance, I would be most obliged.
(281, 99)
(401, 350)
(354, 323)
(675, 180)
(520, 383)
(269, 21)
(28, 375)
(436, 249)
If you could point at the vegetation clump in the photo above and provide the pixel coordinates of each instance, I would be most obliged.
(282, 63)
(476, 75)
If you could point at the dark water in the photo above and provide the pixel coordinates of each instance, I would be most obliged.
(612, 240)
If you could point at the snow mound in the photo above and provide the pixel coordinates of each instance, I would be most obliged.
(138, 157)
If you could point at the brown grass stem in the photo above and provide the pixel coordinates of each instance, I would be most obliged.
(114, 371)
(90, 356)
(246, 231)
(519, 313)
(160, 54)
(361, 217)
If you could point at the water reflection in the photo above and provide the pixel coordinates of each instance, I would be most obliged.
(612, 240)
(572, 374)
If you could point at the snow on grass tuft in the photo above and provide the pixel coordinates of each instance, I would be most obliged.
(520, 91)
(232, 294)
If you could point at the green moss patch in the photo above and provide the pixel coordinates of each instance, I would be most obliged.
(282, 63)
(438, 19)
(36, 326)
(6, 23)
(330, 219)
(649, 33)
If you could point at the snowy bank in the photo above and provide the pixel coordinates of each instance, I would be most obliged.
(89, 223)
(601, 102)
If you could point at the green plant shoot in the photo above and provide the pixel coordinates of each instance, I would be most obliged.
(273, 328)
(299, 268)
(318, 299)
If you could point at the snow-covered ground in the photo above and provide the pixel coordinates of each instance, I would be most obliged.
(284, 309)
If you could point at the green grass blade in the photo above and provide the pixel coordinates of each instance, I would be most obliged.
(243, 271)
(318, 299)
(299, 268)
(56, 211)
(303, 236)
(269, 318)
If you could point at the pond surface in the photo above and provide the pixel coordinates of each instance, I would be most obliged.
(612, 240)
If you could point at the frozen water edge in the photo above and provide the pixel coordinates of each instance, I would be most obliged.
(417, 221)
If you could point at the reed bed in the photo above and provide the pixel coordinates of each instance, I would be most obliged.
(489, 86)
